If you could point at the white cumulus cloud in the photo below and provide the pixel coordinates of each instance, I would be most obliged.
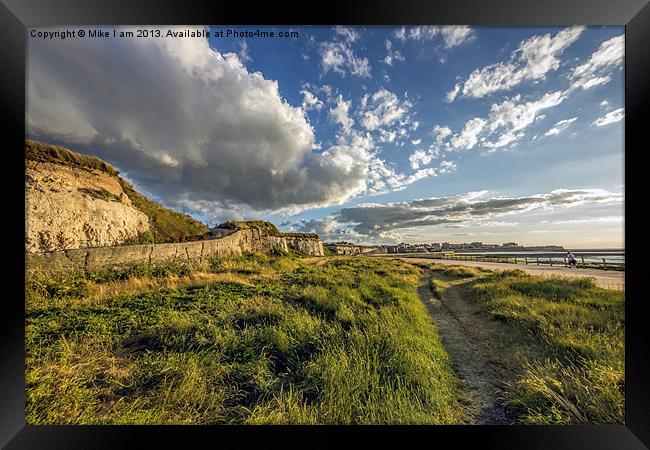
(339, 114)
(596, 70)
(392, 55)
(532, 60)
(609, 118)
(517, 115)
(468, 137)
(441, 133)
(310, 101)
(189, 124)
(560, 127)
(452, 35)
(339, 57)
(383, 108)
(420, 158)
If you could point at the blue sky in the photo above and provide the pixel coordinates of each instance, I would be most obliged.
(367, 134)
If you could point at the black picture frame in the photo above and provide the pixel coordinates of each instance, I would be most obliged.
(16, 15)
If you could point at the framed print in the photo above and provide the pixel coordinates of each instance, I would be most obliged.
(373, 220)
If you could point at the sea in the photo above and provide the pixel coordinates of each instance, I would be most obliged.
(590, 255)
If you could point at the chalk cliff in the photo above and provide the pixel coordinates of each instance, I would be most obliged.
(79, 212)
(76, 205)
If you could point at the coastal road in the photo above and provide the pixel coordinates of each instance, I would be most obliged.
(603, 278)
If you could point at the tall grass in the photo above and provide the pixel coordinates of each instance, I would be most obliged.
(249, 339)
(579, 375)
(40, 152)
(166, 224)
(458, 271)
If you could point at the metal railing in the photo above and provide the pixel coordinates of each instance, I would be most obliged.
(591, 263)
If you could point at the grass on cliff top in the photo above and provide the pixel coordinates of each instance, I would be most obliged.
(260, 225)
(263, 226)
(251, 339)
(301, 235)
(40, 152)
(167, 225)
(571, 332)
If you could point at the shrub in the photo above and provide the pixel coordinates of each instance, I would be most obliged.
(266, 227)
(47, 286)
(166, 225)
(101, 194)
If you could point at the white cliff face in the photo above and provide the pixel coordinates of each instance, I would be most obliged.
(70, 207)
(312, 247)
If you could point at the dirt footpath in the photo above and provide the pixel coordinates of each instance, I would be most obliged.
(603, 278)
(470, 342)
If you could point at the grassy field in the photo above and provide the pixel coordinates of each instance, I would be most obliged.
(252, 339)
(572, 338)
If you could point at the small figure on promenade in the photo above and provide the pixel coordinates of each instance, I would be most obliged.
(571, 260)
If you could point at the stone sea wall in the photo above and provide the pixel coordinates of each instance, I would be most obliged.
(249, 240)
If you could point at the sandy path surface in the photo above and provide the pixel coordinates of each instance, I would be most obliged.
(469, 341)
(603, 278)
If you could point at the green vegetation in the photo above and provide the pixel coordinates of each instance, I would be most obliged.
(101, 194)
(141, 239)
(437, 287)
(266, 227)
(459, 271)
(250, 339)
(40, 152)
(301, 235)
(166, 225)
(573, 333)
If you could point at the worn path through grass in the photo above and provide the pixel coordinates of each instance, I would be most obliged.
(527, 349)
(469, 341)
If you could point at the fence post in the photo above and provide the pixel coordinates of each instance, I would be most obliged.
(604, 264)
(583, 261)
(526, 260)
(537, 257)
(550, 261)
(515, 260)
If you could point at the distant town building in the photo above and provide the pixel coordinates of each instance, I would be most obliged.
(404, 247)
